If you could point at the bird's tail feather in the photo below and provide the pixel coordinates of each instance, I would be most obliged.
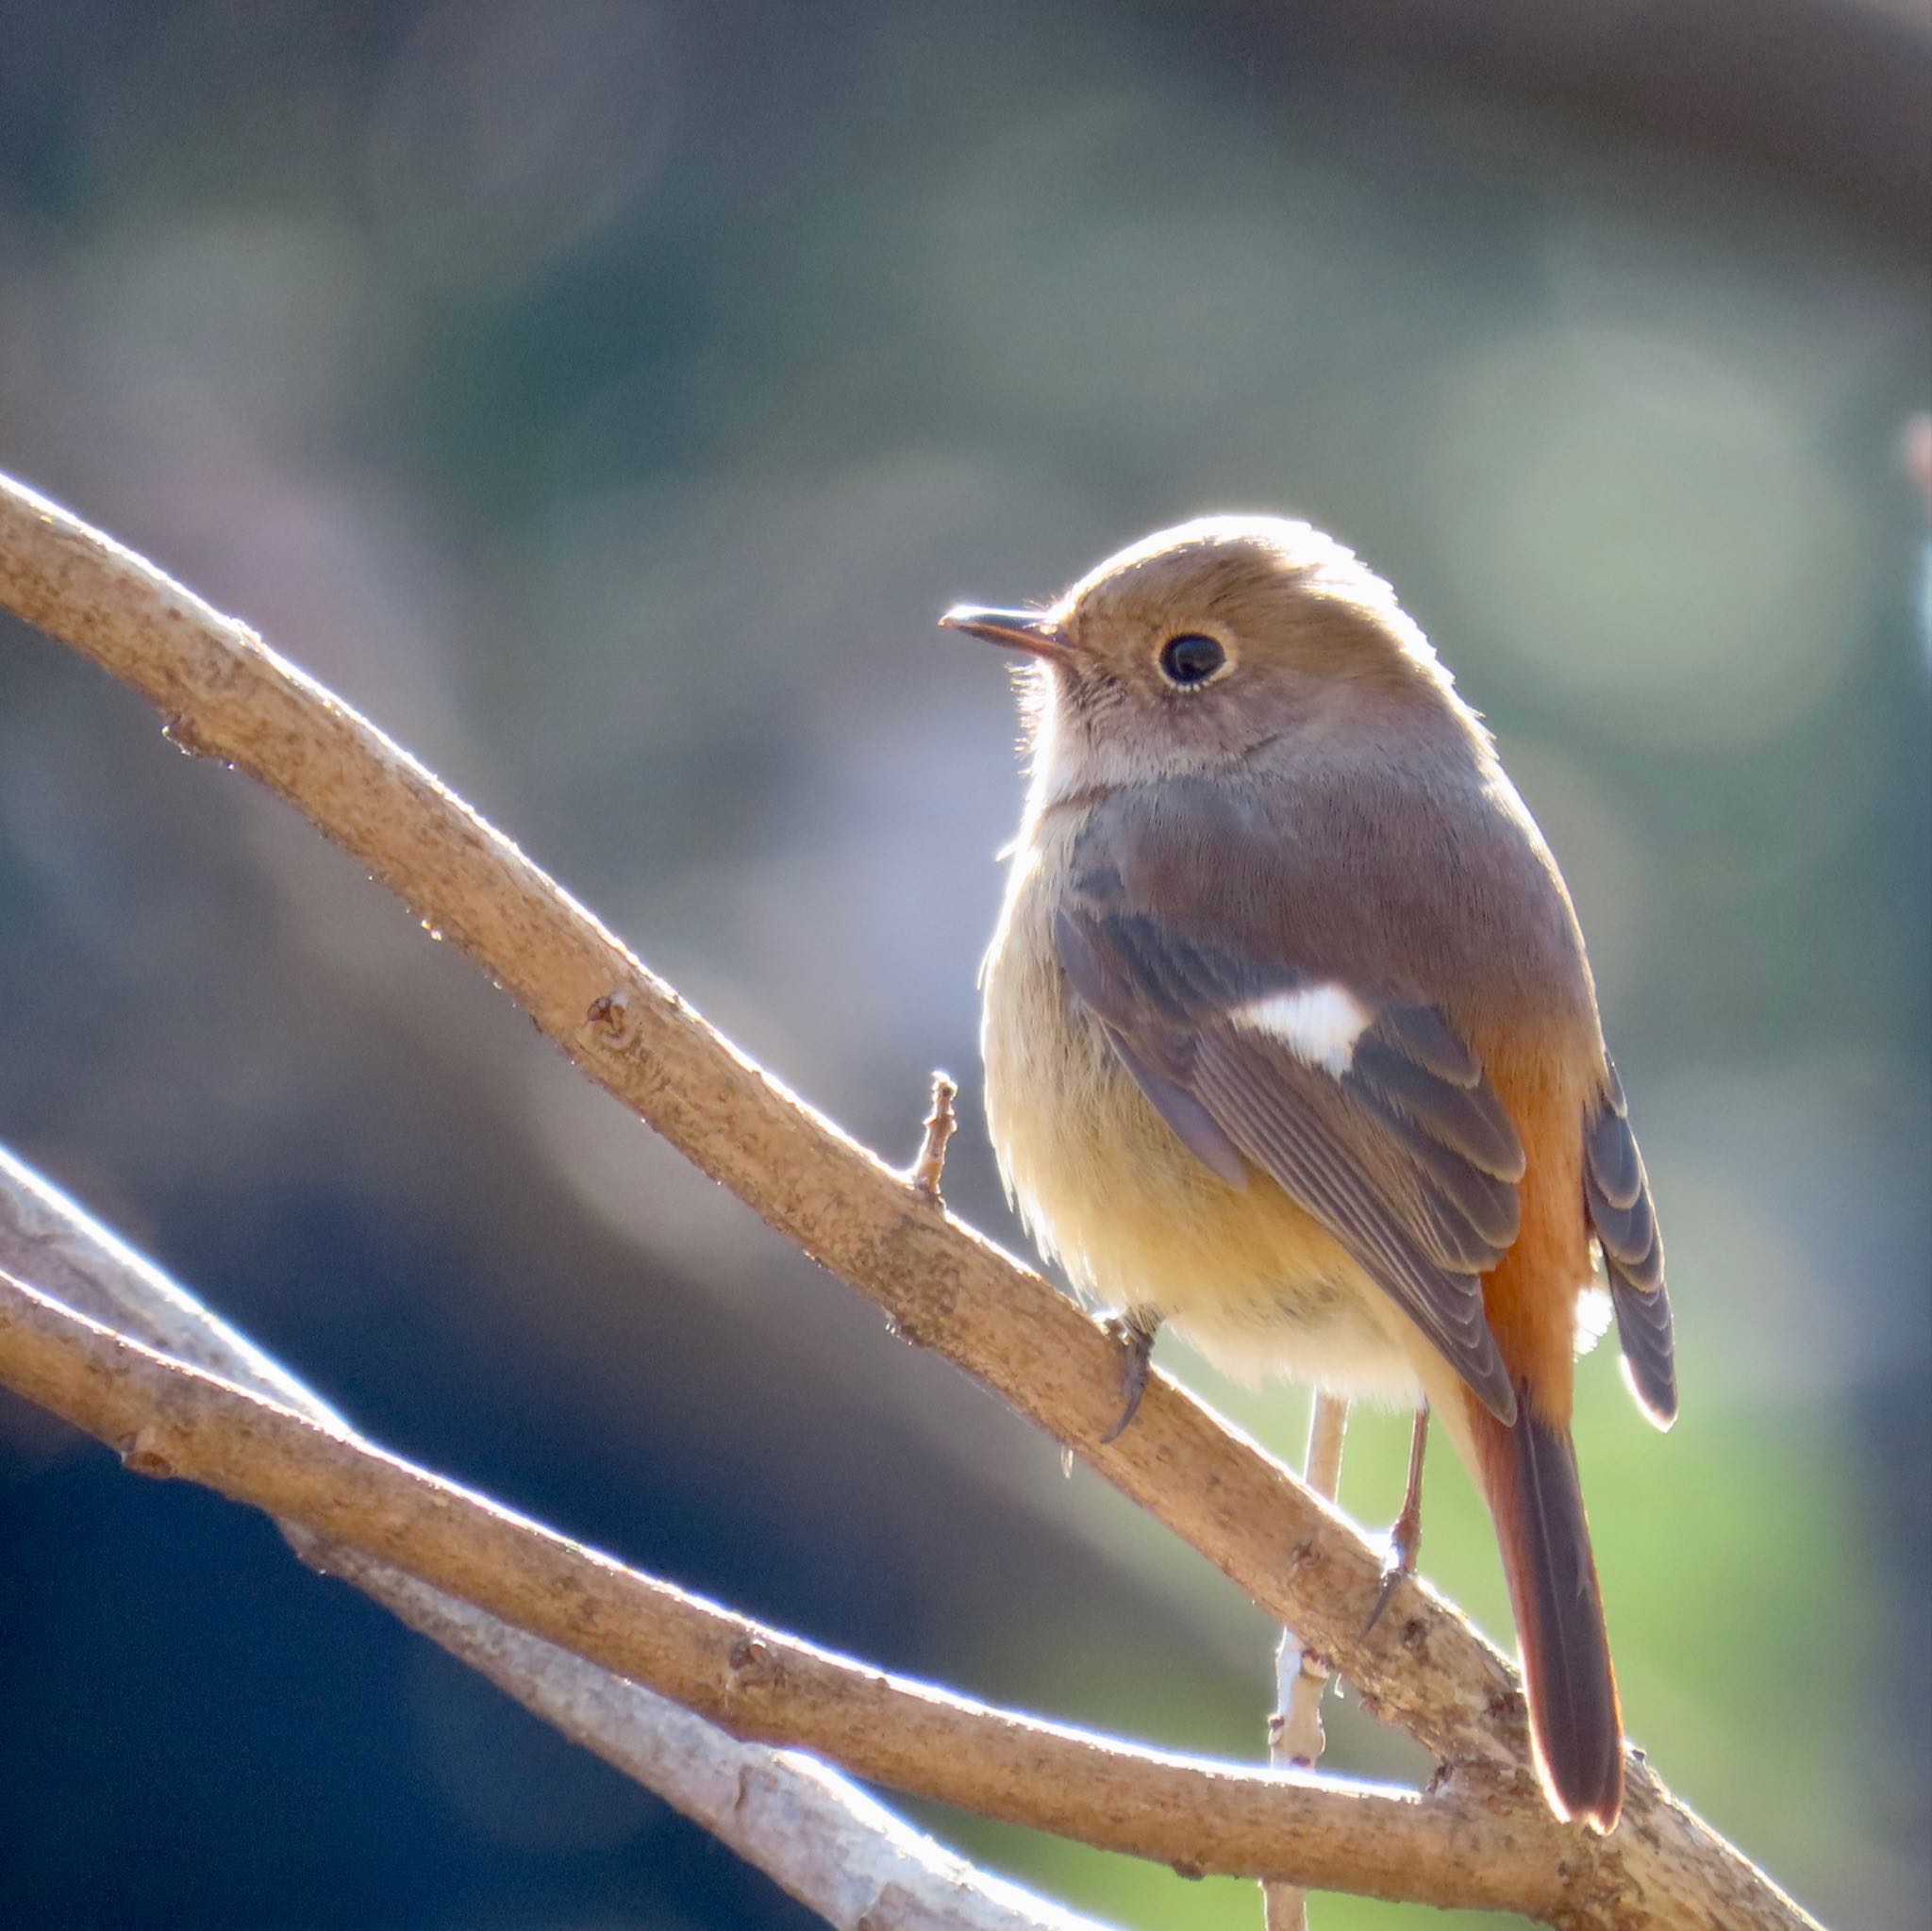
(1529, 1474)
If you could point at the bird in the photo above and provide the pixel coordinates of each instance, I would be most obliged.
(1290, 1041)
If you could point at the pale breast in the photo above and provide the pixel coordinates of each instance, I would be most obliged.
(1107, 1189)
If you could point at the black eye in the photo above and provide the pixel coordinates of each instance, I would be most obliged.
(1191, 659)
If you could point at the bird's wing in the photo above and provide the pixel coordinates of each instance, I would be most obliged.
(1617, 1193)
(1367, 1110)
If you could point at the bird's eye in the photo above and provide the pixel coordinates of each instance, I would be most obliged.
(1191, 659)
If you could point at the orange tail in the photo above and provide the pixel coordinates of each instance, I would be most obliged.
(1529, 1476)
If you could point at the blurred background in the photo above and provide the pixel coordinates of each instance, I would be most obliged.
(607, 398)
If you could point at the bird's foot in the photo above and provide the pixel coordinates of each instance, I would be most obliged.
(1406, 1538)
(1405, 1546)
(1134, 1331)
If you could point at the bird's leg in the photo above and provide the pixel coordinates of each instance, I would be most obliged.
(1135, 1331)
(1406, 1538)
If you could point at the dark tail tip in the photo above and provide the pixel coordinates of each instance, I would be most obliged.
(1574, 1718)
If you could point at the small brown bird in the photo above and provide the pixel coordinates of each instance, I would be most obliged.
(1291, 1039)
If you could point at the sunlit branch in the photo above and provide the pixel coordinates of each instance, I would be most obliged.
(810, 1830)
(755, 1682)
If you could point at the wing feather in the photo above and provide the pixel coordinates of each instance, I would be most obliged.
(1276, 1113)
(1407, 1157)
(1616, 1193)
(1469, 1121)
(1191, 1121)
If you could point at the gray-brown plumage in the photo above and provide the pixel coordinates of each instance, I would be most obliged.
(1291, 1039)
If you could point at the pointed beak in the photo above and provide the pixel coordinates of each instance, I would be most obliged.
(1032, 632)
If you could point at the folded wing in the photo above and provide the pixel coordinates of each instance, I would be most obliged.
(1370, 1114)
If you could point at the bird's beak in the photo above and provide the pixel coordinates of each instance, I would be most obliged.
(1033, 631)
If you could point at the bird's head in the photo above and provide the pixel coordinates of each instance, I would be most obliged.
(1204, 645)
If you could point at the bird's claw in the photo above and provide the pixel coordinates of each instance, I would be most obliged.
(1393, 1574)
(1134, 1333)
(1405, 1546)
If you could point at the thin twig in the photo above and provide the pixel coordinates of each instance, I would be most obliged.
(167, 1420)
(929, 1169)
(811, 1831)
(1301, 1675)
(225, 693)
(1295, 1737)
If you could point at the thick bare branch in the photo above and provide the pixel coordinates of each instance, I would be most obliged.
(818, 1835)
(810, 1830)
(60, 1250)
(225, 693)
(760, 1684)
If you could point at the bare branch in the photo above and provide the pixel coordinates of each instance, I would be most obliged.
(62, 1251)
(1302, 1675)
(810, 1830)
(225, 693)
(167, 1420)
(1295, 1736)
(818, 1835)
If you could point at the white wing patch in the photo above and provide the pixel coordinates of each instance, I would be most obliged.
(1319, 1025)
